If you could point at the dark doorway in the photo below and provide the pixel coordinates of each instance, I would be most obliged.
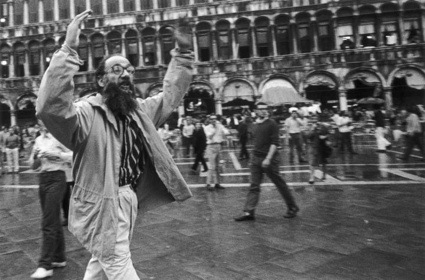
(4, 115)
(405, 96)
(199, 101)
(327, 96)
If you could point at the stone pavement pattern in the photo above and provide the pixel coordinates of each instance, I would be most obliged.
(365, 222)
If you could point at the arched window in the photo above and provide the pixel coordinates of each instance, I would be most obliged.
(304, 35)
(49, 49)
(4, 61)
(389, 27)
(263, 36)
(34, 58)
(203, 32)
(181, 3)
(98, 49)
(283, 38)
(83, 52)
(325, 31)
(149, 49)
(48, 10)
(63, 9)
(19, 51)
(224, 42)
(412, 22)
(367, 33)
(80, 6)
(167, 43)
(164, 3)
(33, 11)
(96, 6)
(344, 29)
(129, 5)
(19, 12)
(131, 44)
(114, 42)
(113, 7)
(243, 37)
(146, 4)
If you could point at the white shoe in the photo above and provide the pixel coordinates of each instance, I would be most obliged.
(41, 273)
(58, 264)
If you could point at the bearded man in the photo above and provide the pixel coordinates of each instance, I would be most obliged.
(120, 161)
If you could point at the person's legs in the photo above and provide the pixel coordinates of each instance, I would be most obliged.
(9, 160)
(66, 199)
(213, 160)
(122, 266)
(253, 195)
(291, 147)
(298, 143)
(52, 190)
(204, 164)
(409, 146)
(273, 173)
(15, 158)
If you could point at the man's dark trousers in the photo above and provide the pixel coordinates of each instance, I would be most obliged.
(52, 190)
(411, 142)
(272, 172)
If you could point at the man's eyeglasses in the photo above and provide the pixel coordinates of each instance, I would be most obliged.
(118, 69)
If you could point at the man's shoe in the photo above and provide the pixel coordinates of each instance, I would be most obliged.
(219, 187)
(209, 188)
(246, 217)
(292, 212)
(41, 273)
(58, 264)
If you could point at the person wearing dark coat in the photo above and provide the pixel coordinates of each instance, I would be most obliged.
(243, 137)
(199, 146)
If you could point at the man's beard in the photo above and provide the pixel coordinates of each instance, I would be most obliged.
(120, 101)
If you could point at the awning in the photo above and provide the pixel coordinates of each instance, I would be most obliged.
(276, 96)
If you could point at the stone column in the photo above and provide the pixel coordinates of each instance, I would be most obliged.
(123, 45)
(388, 98)
(88, 4)
(195, 44)
(253, 34)
(121, 6)
(235, 48)
(56, 10)
(11, 13)
(42, 61)
(214, 45)
(13, 120)
(90, 59)
(105, 6)
(314, 29)
(141, 54)
(293, 35)
(158, 50)
(154, 4)
(26, 12)
(218, 107)
(40, 11)
(343, 99)
(72, 8)
(27, 64)
(12, 65)
(173, 3)
(274, 43)
(138, 6)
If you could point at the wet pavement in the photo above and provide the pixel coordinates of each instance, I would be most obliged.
(365, 221)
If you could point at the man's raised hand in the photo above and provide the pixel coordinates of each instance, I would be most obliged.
(73, 30)
(183, 34)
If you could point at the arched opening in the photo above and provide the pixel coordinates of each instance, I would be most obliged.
(262, 32)
(199, 100)
(224, 40)
(149, 48)
(26, 109)
(283, 37)
(243, 38)
(323, 89)
(132, 46)
(167, 43)
(408, 88)
(4, 112)
(114, 42)
(237, 96)
(203, 33)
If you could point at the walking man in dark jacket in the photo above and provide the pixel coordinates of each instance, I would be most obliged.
(199, 146)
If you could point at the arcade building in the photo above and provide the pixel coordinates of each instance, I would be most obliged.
(331, 51)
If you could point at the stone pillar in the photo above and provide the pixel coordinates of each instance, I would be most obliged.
(90, 59)
(13, 120)
(274, 43)
(105, 6)
(235, 46)
(254, 41)
(88, 4)
(121, 6)
(293, 30)
(214, 45)
(154, 4)
(27, 64)
(314, 29)
(158, 50)
(12, 65)
(40, 11)
(138, 6)
(55, 10)
(140, 45)
(42, 61)
(26, 12)
(343, 99)
(123, 45)
(403, 39)
(218, 107)
(388, 98)
(195, 44)
(11, 13)
(173, 3)
(71, 8)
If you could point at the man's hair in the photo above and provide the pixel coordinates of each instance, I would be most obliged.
(100, 71)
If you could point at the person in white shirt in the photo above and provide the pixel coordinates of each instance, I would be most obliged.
(294, 125)
(216, 135)
(344, 127)
(187, 132)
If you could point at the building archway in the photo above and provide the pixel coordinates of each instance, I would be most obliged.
(237, 95)
(199, 100)
(408, 87)
(322, 87)
(361, 84)
(25, 109)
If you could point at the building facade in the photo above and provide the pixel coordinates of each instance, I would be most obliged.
(334, 52)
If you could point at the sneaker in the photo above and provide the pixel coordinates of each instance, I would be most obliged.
(58, 264)
(246, 217)
(292, 212)
(41, 273)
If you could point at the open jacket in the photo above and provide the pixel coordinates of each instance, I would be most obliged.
(90, 130)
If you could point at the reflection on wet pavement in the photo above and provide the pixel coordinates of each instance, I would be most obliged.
(365, 221)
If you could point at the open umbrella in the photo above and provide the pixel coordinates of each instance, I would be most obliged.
(371, 101)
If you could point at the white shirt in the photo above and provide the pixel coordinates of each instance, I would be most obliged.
(215, 135)
(48, 144)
